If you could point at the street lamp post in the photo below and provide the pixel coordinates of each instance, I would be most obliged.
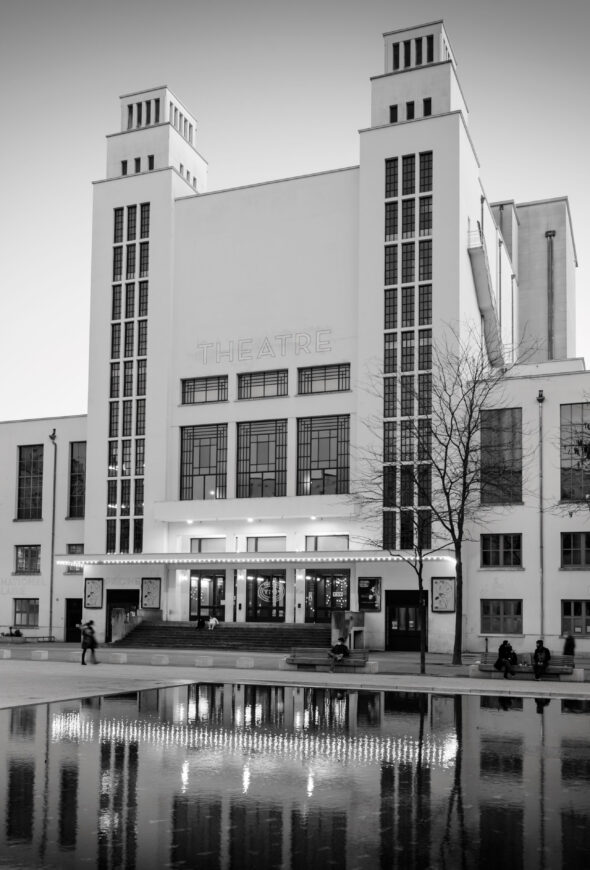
(53, 439)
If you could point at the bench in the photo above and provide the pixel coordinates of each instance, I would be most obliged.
(42, 638)
(318, 657)
(558, 665)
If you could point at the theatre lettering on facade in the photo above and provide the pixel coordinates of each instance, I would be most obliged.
(233, 337)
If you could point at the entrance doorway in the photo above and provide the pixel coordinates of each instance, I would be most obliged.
(73, 619)
(325, 591)
(206, 595)
(265, 596)
(402, 620)
(126, 599)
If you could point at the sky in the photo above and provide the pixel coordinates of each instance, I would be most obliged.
(279, 88)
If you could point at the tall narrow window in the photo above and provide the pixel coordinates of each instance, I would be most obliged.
(129, 300)
(148, 111)
(113, 419)
(140, 417)
(418, 44)
(425, 349)
(425, 260)
(407, 52)
(142, 337)
(429, 48)
(262, 459)
(131, 222)
(393, 114)
(156, 111)
(390, 221)
(128, 378)
(77, 487)
(143, 299)
(390, 313)
(116, 302)
(425, 215)
(389, 397)
(117, 263)
(144, 229)
(115, 340)
(425, 171)
(395, 59)
(323, 455)
(407, 306)
(127, 422)
(391, 180)
(575, 451)
(424, 304)
(130, 273)
(130, 116)
(390, 353)
(410, 111)
(141, 376)
(390, 276)
(501, 456)
(115, 380)
(118, 226)
(408, 218)
(408, 262)
(144, 259)
(408, 174)
(129, 332)
(30, 482)
(427, 107)
(203, 462)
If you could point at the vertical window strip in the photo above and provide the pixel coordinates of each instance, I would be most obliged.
(131, 222)
(391, 177)
(116, 302)
(391, 309)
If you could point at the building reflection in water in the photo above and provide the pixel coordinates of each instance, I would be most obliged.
(241, 776)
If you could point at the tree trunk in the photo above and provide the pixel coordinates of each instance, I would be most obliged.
(423, 618)
(459, 608)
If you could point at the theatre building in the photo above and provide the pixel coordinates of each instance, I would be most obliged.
(248, 345)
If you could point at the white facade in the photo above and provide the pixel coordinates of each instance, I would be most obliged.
(274, 278)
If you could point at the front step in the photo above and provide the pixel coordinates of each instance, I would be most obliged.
(241, 636)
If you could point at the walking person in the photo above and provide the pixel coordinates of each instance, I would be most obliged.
(88, 641)
(541, 658)
(506, 659)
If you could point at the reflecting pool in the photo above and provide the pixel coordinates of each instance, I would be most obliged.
(242, 776)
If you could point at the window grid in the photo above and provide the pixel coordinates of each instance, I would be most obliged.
(501, 551)
(425, 349)
(129, 334)
(141, 377)
(27, 559)
(425, 220)
(425, 260)
(116, 302)
(115, 340)
(128, 378)
(144, 220)
(391, 177)
(144, 259)
(142, 337)
(117, 263)
(574, 451)
(143, 299)
(389, 397)
(77, 481)
(139, 456)
(407, 306)
(390, 353)
(425, 171)
(127, 421)
(130, 271)
(501, 616)
(390, 314)
(196, 391)
(113, 419)
(323, 455)
(129, 301)
(30, 482)
(113, 460)
(424, 304)
(575, 617)
(262, 459)
(390, 276)
(391, 229)
(424, 394)
(575, 549)
(323, 379)
(389, 442)
(203, 469)
(262, 385)
(131, 222)
(26, 612)
(408, 218)
(407, 396)
(408, 262)
(407, 352)
(139, 417)
(408, 174)
(118, 226)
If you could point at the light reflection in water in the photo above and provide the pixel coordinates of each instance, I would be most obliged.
(236, 776)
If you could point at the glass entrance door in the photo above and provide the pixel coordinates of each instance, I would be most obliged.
(325, 591)
(206, 595)
(265, 596)
(403, 620)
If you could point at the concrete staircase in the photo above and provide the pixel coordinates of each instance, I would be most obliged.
(235, 636)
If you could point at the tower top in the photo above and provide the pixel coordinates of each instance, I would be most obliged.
(417, 46)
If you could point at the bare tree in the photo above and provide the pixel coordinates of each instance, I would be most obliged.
(456, 457)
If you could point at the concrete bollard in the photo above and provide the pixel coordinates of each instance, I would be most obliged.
(117, 658)
(39, 655)
(5, 654)
(245, 662)
(160, 660)
(203, 662)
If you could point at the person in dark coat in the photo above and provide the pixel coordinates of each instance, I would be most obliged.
(541, 658)
(89, 641)
(569, 647)
(506, 659)
(338, 652)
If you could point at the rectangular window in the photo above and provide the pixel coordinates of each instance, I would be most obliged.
(208, 545)
(137, 169)
(393, 114)
(138, 497)
(262, 385)
(123, 536)
(113, 460)
(130, 272)
(575, 451)
(501, 616)
(390, 313)
(117, 263)
(407, 396)
(139, 456)
(390, 264)
(406, 530)
(408, 262)
(116, 302)
(141, 377)
(30, 482)
(262, 459)
(197, 391)
(390, 177)
(425, 171)
(424, 446)
(389, 442)
(115, 340)
(74, 550)
(125, 497)
(424, 304)
(142, 337)
(118, 226)
(389, 530)
(129, 334)
(501, 551)
(418, 44)
(410, 111)
(148, 112)
(323, 379)
(156, 111)
(575, 618)
(127, 422)
(408, 174)
(391, 221)
(424, 485)
(138, 113)
(111, 537)
(407, 52)
(427, 106)
(139, 417)
(123, 167)
(389, 486)
(113, 419)
(144, 229)
(144, 259)
(324, 543)
(575, 549)
(407, 360)
(425, 260)
(129, 300)
(130, 116)
(424, 394)
(425, 216)
(77, 483)
(408, 218)
(131, 222)
(406, 484)
(323, 455)
(126, 457)
(389, 397)
(395, 48)
(27, 559)
(390, 353)
(429, 48)
(407, 306)
(267, 544)
(501, 456)
(203, 462)
(407, 441)
(128, 379)
(26, 612)
(150, 162)
(143, 299)
(425, 349)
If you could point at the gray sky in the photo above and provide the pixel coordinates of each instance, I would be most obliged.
(279, 88)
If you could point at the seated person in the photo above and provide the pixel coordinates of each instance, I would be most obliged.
(213, 621)
(541, 658)
(338, 652)
(506, 659)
